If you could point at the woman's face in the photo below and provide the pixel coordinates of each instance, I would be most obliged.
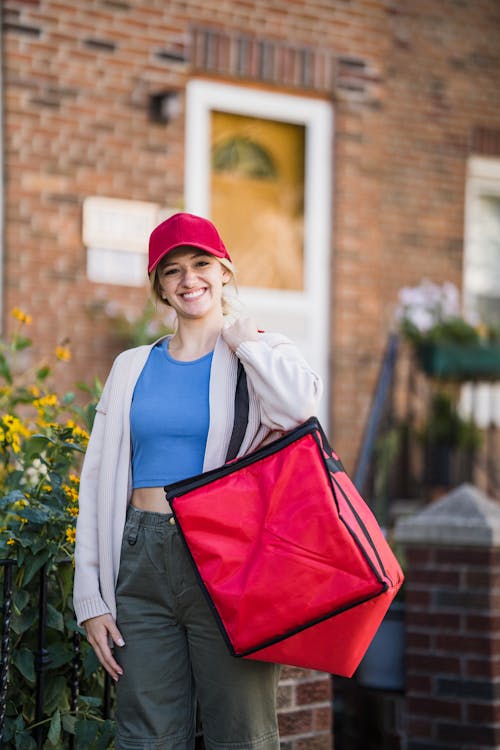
(191, 282)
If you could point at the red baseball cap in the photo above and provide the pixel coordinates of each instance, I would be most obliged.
(184, 229)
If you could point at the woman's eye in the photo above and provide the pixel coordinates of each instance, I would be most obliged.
(202, 263)
(169, 271)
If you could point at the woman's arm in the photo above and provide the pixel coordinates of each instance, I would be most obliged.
(287, 388)
(87, 599)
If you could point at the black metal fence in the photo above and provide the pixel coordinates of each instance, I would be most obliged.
(42, 660)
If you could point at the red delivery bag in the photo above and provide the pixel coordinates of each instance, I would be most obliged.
(292, 561)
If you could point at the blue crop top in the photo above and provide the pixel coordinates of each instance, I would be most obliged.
(169, 418)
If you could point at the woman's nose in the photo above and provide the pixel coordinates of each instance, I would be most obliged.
(188, 277)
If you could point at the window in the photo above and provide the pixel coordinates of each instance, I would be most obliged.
(482, 240)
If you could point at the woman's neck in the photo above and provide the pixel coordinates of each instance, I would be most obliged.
(193, 339)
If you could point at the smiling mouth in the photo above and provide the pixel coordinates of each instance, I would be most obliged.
(193, 295)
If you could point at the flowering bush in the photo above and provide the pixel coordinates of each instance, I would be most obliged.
(431, 313)
(42, 439)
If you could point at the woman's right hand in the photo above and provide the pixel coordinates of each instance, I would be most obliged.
(99, 630)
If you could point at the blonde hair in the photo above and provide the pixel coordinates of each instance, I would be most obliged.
(229, 305)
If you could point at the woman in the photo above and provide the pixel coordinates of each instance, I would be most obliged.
(167, 412)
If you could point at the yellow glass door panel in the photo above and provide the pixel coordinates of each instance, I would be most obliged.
(257, 197)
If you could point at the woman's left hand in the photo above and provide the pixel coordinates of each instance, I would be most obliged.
(243, 329)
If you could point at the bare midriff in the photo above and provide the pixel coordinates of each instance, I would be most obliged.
(151, 499)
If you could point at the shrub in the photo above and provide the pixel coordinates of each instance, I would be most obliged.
(42, 438)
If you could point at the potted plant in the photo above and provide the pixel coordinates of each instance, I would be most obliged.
(447, 345)
(449, 441)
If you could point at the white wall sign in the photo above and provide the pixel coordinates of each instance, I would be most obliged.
(116, 232)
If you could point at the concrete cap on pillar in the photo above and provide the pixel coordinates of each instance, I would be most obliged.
(465, 516)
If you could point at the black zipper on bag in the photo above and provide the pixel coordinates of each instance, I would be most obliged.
(381, 572)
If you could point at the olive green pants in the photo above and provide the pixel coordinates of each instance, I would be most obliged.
(174, 655)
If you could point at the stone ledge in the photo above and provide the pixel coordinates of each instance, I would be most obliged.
(465, 516)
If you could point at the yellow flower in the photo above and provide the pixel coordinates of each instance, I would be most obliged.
(46, 488)
(63, 353)
(70, 534)
(77, 431)
(21, 316)
(34, 390)
(12, 430)
(49, 400)
(11, 541)
(73, 478)
(21, 504)
(72, 510)
(70, 493)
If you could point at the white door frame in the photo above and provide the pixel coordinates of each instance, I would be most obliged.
(203, 96)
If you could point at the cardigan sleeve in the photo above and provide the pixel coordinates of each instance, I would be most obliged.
(87, 599)
(287, 389)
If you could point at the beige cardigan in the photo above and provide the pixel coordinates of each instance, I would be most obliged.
(283, 392)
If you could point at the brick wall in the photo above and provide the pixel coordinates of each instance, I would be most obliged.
(305, 709)
(453, 610)
(410, 83)
(453, 666)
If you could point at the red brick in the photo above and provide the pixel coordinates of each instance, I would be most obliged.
(482, 713)
(295, 722)
(418, 684)
(317, 691)
(314, 742)
(420, 728)
(433, 707)
(433, 664)
(462, 645)
(322, 718)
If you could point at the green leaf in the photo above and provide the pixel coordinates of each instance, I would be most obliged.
(68, 398)
(59, 654)
(69, 723)
(5, 372)
(42, 373)
(24, 741)
(24, 661)
(34, 515)
(11, 498)
(20, 724)
(87, 701)
(35, 445)
(20, 599)
(54, 618)
(56, 694)
(33, 565)
(55, 728)
(9, 729)
(86, 733)
(23, 622)
(20, 342)
(90, 662)
(106, 737)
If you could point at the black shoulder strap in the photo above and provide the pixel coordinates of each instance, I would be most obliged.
(240, 414)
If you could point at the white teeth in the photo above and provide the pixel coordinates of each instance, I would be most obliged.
(193, 295)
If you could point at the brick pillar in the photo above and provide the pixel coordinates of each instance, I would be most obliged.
(305, 709)
(452, 551)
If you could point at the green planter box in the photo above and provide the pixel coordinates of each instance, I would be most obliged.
(460, 361)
